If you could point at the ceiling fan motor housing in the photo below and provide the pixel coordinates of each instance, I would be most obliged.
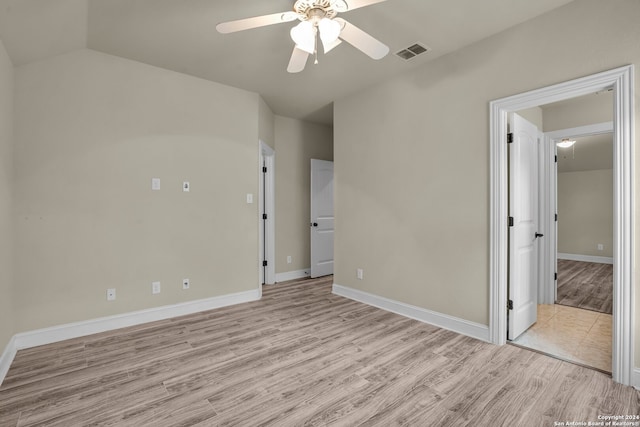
(315, 9)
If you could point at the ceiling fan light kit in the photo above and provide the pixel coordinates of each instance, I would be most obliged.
(317, 18)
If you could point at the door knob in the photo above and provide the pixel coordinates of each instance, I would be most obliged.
(539, 235)
(315, 224)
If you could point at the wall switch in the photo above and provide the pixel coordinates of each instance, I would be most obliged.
(600, 247)
(155, 287)
(185, 186)
(249, 198)
(111, 294)
(289, 259)
(155, 183)
(185, 284)
(360, 274)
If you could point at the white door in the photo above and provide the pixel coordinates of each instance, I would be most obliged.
(321, 218)
(523, 229)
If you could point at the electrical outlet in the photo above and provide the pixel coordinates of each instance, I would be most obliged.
(111, 294)
(600, 247)
(155, 288)
(289, 259)
(155, 184)
(185, 284)
(360, 274)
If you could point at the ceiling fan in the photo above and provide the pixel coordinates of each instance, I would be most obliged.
(317, 18)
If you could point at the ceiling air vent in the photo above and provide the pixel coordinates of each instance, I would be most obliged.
(412, 51)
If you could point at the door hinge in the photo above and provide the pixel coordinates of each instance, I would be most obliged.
(264, 169)
(509, 138)
(264, 216)
(556, 160)
(264, 263)
(510, 304)
(510, 221)
(556, 217)
(555, 276)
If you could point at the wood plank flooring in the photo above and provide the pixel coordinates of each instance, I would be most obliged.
(300, 356)
(586, 285)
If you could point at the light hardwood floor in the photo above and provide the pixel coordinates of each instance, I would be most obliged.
(586, 285)
(300, 356)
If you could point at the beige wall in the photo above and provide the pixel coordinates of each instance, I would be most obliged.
(585, 212)
(412, 155)
(266, 124)
(297, 142)
(91, 130)
(6, 203)
(582, 111)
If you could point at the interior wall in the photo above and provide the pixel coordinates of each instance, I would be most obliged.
(297, 142)
(91, 131)
(266, 126)
(412, 186)
(582, 111)
(6, 199)
(585, 212)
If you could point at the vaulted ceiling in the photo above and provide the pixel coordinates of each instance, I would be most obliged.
(180, 35)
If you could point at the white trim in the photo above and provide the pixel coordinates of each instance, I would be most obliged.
(292, 275)
(621, 80)
(267, 157)
(7, 357)
(455, 324)
(586, 258)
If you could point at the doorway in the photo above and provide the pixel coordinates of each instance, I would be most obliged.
(620, 80)
(574, 319)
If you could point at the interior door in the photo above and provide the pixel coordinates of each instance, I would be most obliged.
(523, 229)
(321, 218)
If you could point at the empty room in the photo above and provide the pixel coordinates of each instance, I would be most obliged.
(316, 212)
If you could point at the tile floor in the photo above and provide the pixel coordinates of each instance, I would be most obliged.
(572, 334)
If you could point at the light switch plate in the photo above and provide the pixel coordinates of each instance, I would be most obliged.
(249, 198)
(186, 186)
(155, 183)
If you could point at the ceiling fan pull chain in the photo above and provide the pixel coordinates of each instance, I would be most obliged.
(316, 50)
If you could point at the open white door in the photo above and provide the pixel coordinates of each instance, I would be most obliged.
(321, 218)
(523, 225)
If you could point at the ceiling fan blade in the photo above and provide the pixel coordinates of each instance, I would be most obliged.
(298, 60)
(346, 5)
(255, 22)
(361, 40)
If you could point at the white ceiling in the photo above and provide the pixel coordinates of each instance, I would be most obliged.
(180, 35)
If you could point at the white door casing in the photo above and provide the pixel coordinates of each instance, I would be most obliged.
(321, 218)
(266, 205)
(523, 227)
(621, 80)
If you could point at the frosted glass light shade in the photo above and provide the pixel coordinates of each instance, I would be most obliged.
(329, 30)
(304, 36)
(565, 143)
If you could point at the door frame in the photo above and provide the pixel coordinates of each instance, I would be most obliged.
(267, 249)
(621, 80)
(548, 285)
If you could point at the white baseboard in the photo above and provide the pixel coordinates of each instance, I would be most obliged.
(461, 326)
(93, 326)
(586, 258)
(7, 357)
(292, 275)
